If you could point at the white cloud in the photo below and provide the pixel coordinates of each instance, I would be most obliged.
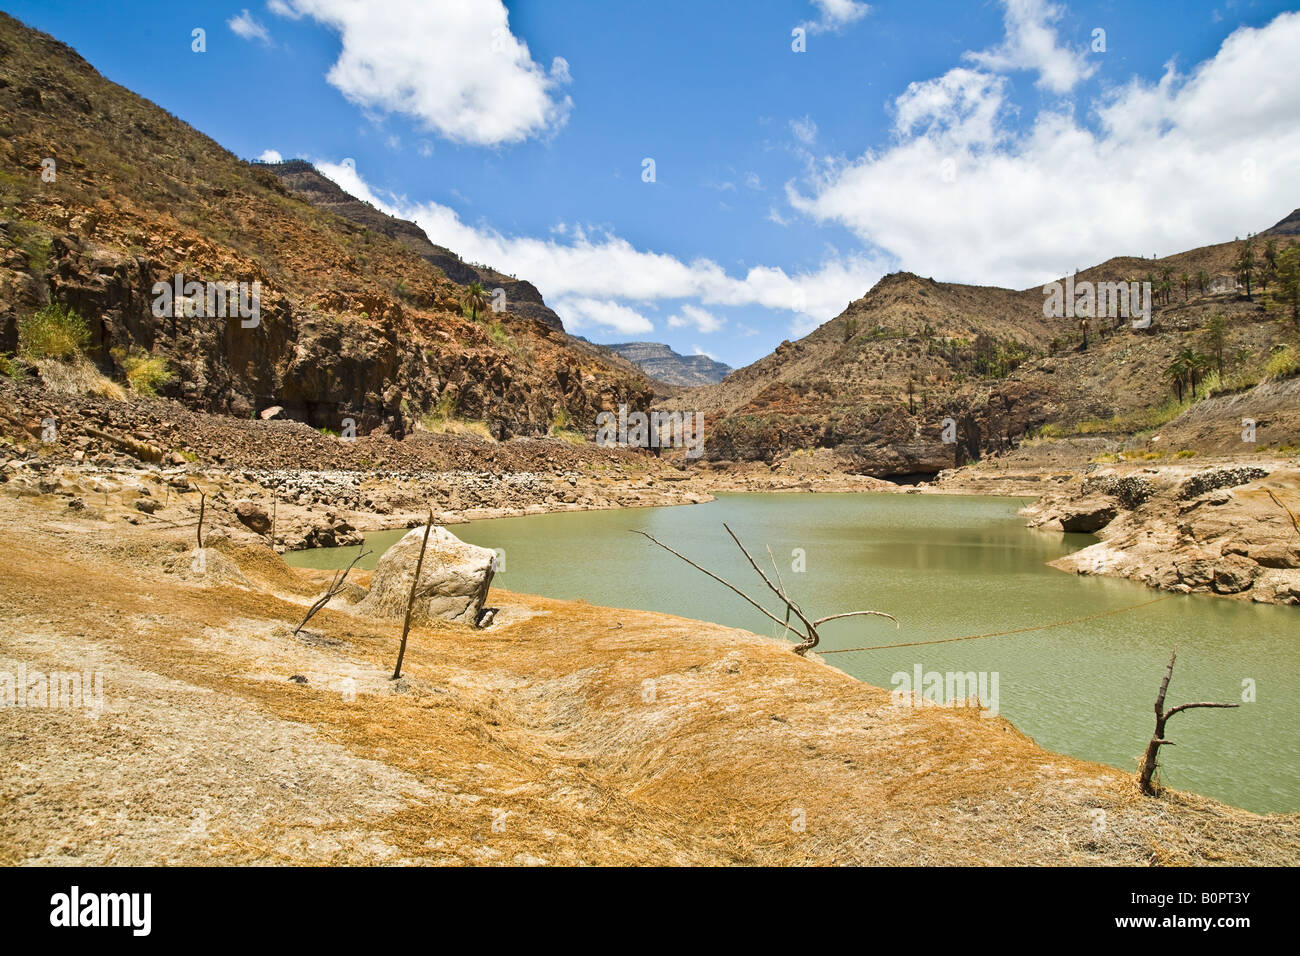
(456, 67)
(583, 312)
(753, 182)
(1189, 160)
(834, 15)
(700, 351)
(1031, 44)
(692, 315)
(271, 156)
(583, 271)
(248, 27)
(805, 130)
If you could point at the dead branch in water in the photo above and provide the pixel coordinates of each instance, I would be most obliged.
(410, 601)
(810, 635)
(336, 585)
(1148, 767)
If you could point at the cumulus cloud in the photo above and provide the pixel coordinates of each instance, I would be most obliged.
(1031, 43)
(454, 67)
(1185, 161)
(584, 273)
(835, 15)
(248, 27)
(271, 156)
(581, 312)
(692, 315)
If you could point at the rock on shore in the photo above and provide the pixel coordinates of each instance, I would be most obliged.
(454, 579)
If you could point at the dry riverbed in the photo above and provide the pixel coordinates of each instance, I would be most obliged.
(564, 733)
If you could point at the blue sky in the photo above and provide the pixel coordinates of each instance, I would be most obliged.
(990, 143)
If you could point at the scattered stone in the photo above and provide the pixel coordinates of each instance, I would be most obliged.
(253, 516)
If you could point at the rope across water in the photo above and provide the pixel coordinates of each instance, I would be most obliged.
(1018, 630)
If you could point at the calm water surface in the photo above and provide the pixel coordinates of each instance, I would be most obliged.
(948, 567)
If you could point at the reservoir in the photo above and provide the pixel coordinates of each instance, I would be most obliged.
(948, 567)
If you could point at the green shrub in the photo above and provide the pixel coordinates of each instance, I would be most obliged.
(145, 373)
(52, 332)
(1283, 363)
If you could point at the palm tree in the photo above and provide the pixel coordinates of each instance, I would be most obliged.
(1215, 338)
(1166, 281)
(1176, 372)
(1202, 280)
(1194, 363)
(474, 299)
(1288, 280)
(1245, 264)
(1187, 285)
(1270, 254)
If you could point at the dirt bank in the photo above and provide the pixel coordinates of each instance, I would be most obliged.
(565, 733)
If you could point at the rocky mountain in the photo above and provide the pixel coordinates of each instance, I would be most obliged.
(1290, 226)
(878, 383)
(103, 195)
(662, 364)
(521, 296)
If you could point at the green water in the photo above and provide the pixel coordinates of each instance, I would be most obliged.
(948, 567)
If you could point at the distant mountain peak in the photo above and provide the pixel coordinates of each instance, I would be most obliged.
(662, 364)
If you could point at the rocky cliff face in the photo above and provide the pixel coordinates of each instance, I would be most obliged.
(351, 324)
(521, 296)
(664, 365)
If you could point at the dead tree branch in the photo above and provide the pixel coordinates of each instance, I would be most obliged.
(410, 601)
(810, 636)
(336, 585)
(1148, 767)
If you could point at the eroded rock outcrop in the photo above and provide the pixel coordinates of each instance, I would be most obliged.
(1180, 528)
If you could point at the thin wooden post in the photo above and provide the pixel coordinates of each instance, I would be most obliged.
(410, 601)
(203, 502)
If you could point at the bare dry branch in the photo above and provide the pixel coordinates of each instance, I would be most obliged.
(1148, 766)
(810, 635)
(336, 585)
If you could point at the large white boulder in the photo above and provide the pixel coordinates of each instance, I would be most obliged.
(454, 580)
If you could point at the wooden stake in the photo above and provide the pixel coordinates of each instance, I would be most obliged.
(203, 501)
(410, 601)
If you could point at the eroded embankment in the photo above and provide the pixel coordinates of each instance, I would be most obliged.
(1229, 529)
(566, 733)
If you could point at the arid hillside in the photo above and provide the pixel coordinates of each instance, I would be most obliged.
(103, 194)
(875, 383)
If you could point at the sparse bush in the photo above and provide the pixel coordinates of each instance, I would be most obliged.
(52, 332)
(145, 373)
(1283, 363)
